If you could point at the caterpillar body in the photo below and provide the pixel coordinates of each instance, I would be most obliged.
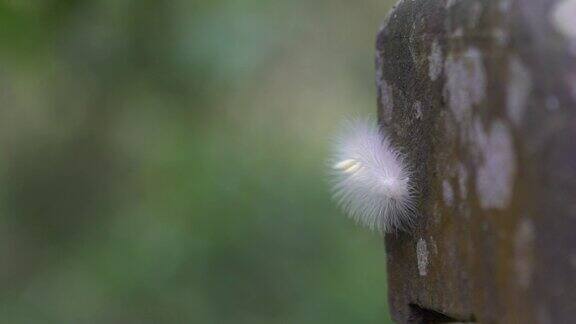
(371, 179)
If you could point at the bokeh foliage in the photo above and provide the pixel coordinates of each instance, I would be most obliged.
(164, 161)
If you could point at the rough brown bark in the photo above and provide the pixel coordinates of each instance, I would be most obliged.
(481, 97)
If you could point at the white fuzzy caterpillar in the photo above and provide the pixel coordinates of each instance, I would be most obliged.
(372, 180)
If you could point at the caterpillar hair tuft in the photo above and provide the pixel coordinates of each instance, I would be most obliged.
(371, 178)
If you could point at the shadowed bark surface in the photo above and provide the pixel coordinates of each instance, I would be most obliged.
(480, 96)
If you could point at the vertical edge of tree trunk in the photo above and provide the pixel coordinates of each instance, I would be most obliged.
(481, 97)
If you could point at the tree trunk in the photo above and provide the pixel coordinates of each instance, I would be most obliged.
(480, 96)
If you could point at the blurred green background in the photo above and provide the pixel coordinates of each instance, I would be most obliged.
(164, 161)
